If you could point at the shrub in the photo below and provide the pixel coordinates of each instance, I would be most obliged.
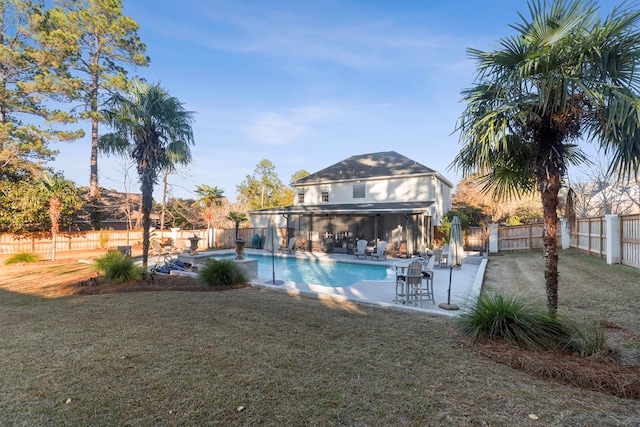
(509, 318)
(589, 341)
(222, 272)
(117, 267)
(22, 257)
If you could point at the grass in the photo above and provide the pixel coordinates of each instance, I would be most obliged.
(254, 357)
(22, 257)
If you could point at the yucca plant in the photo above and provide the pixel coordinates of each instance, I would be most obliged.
(509, 318)
(117, 267)
(222, 272)
(22, 257)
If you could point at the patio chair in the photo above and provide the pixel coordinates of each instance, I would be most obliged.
(402, 250)
(408, 283)
(379, 252)
(425, 291)
(361, 249)
(440, 256)
(291, 247)
(163, 254)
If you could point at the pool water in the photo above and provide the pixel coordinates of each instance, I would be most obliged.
(314, 272)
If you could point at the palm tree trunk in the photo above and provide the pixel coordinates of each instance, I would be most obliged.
(549, 189)
(165, 175)
(147, 201)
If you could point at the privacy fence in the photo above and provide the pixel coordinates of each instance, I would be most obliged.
(89, 240)
(612, 237)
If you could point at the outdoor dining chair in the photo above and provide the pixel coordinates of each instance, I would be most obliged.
(408, 282)
(425, 291)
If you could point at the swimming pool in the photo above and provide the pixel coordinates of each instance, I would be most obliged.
(314, 272)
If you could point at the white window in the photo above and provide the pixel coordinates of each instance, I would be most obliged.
(325, 195)
(300, 196)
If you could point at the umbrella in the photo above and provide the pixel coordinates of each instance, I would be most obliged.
(455, 257)
(272, 244)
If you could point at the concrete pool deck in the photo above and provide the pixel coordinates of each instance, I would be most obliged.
(466, 283)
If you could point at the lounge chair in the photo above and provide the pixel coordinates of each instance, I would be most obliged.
(379, 251)
(361, 249)
(163, 254)
(291, 247)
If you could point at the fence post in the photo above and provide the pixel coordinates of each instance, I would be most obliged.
(493, 238)
(564, 232)
(613, 238)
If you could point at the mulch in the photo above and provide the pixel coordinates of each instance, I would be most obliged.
(159, 283)
(599, 373)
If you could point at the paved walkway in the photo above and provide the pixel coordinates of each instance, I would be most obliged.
(466, 283)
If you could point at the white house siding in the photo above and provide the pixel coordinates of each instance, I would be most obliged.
(402, 189)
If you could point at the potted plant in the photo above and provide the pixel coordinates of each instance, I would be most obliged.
(237, 218)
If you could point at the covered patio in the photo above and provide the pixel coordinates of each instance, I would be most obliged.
(407, 227)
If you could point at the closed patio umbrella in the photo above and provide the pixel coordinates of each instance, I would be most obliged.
(272, 244)
(456, 256)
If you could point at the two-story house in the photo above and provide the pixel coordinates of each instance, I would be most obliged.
(377, 196)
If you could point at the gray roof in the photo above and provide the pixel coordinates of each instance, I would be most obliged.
(349, 209)
(373, 165)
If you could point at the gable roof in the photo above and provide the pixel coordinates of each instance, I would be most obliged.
(373, 165)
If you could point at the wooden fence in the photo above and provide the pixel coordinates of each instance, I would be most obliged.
(476, 239)
(589, 237)
(89, 240)
(523, 237)
(630, 240)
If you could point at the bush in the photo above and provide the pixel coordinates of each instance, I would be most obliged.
(117, 267)
(222, 272)
(589, 341)
(508, 318)
(22, 257)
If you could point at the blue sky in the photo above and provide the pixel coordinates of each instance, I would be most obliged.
(306, 84)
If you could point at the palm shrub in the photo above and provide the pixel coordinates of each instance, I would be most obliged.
(222, 272)
(509, 318)
(117, 267)
(22, 257)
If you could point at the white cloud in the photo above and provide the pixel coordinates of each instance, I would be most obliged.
(273, 128)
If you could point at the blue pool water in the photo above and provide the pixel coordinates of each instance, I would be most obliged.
(313, 272)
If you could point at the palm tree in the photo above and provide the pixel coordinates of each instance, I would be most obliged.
(565, 75)
(237, 217)
(209, 197)
(55, 188)
(152, 127)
